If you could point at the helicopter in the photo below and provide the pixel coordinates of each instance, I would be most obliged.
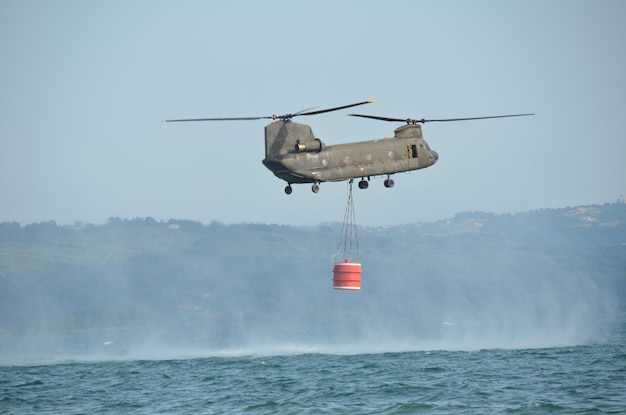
(296, 156)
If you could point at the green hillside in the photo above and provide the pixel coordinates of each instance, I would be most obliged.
(142, 274)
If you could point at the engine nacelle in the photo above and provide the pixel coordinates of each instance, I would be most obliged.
(315, 145)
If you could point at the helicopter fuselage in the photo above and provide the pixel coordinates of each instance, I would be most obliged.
(294, 155)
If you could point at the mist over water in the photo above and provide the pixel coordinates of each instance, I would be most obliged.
(154, 292)
(455, 313)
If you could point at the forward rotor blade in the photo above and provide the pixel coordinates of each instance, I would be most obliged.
(476, 118)
(334, 109)
(422, 121)
(378, 117)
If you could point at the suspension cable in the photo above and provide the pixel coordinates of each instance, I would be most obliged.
(348, 233)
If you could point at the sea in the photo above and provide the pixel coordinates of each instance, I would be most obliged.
(309, 378)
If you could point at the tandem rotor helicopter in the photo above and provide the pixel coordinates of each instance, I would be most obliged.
(295, 155)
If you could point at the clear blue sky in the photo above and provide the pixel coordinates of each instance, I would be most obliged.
(84, 85)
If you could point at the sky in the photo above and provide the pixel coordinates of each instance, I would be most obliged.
(84, 87)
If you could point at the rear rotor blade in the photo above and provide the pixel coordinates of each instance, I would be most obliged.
(334, 109)
(220, 119)
(274, 117)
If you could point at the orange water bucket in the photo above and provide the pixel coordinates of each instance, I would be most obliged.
(347, 275)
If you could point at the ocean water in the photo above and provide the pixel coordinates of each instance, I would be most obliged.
(306, 379)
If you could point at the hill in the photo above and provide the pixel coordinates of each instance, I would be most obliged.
(489, 273)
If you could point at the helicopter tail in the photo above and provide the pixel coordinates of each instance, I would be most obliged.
(283, 137)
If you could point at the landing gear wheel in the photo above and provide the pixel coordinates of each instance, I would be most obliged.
(389, 183)
(363, 184)
(288, 189)
(315, 188)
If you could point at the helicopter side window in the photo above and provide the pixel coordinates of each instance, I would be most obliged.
(412, 150)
